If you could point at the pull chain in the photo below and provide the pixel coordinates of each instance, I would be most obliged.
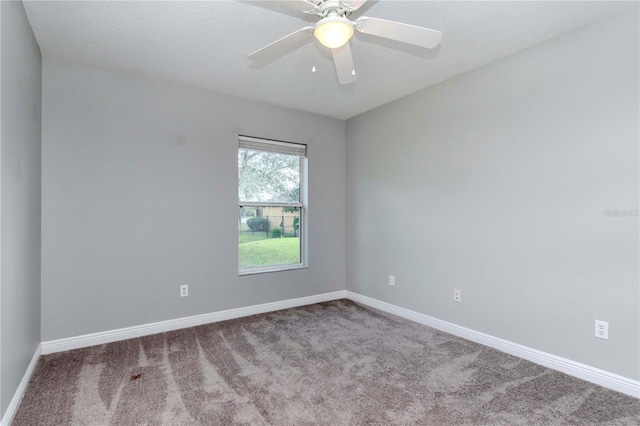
(353, 54)
(313, 56)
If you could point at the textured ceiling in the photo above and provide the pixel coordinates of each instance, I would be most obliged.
(205, 44)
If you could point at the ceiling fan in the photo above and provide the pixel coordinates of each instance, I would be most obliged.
(334, 30)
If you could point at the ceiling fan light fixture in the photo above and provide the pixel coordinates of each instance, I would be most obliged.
(333, 31)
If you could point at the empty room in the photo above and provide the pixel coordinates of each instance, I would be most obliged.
(336, 212)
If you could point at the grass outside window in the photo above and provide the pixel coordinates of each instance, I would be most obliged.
(260, 250)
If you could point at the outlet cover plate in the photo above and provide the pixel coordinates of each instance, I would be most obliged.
(602, 330)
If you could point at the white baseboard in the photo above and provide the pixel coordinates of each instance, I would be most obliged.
(12, 409)
(109, 336)
(567, 366)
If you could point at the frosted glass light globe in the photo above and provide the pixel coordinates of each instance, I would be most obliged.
(333, 32)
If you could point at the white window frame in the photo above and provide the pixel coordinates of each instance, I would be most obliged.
(300, 150)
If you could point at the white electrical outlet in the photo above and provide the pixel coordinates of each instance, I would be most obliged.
(392, 280)
(602, 330)
(184, 290)
(457, 295)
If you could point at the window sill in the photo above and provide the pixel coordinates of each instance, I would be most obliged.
(267, 269)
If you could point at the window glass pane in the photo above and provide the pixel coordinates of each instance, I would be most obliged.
(268, 236)
(268, 177)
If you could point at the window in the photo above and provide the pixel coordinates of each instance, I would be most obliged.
(271, 189)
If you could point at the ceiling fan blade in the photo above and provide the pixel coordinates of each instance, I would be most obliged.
(412, 34)
(301, 5)
(343, 61)
(354, 5)
(281, 46)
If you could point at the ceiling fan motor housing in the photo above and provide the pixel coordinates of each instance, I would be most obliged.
(329, 6)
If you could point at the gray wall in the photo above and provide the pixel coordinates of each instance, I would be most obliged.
(496, 182)
(140, 195)
(20, 198)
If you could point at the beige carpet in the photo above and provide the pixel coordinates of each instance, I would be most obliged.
(334, 363)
